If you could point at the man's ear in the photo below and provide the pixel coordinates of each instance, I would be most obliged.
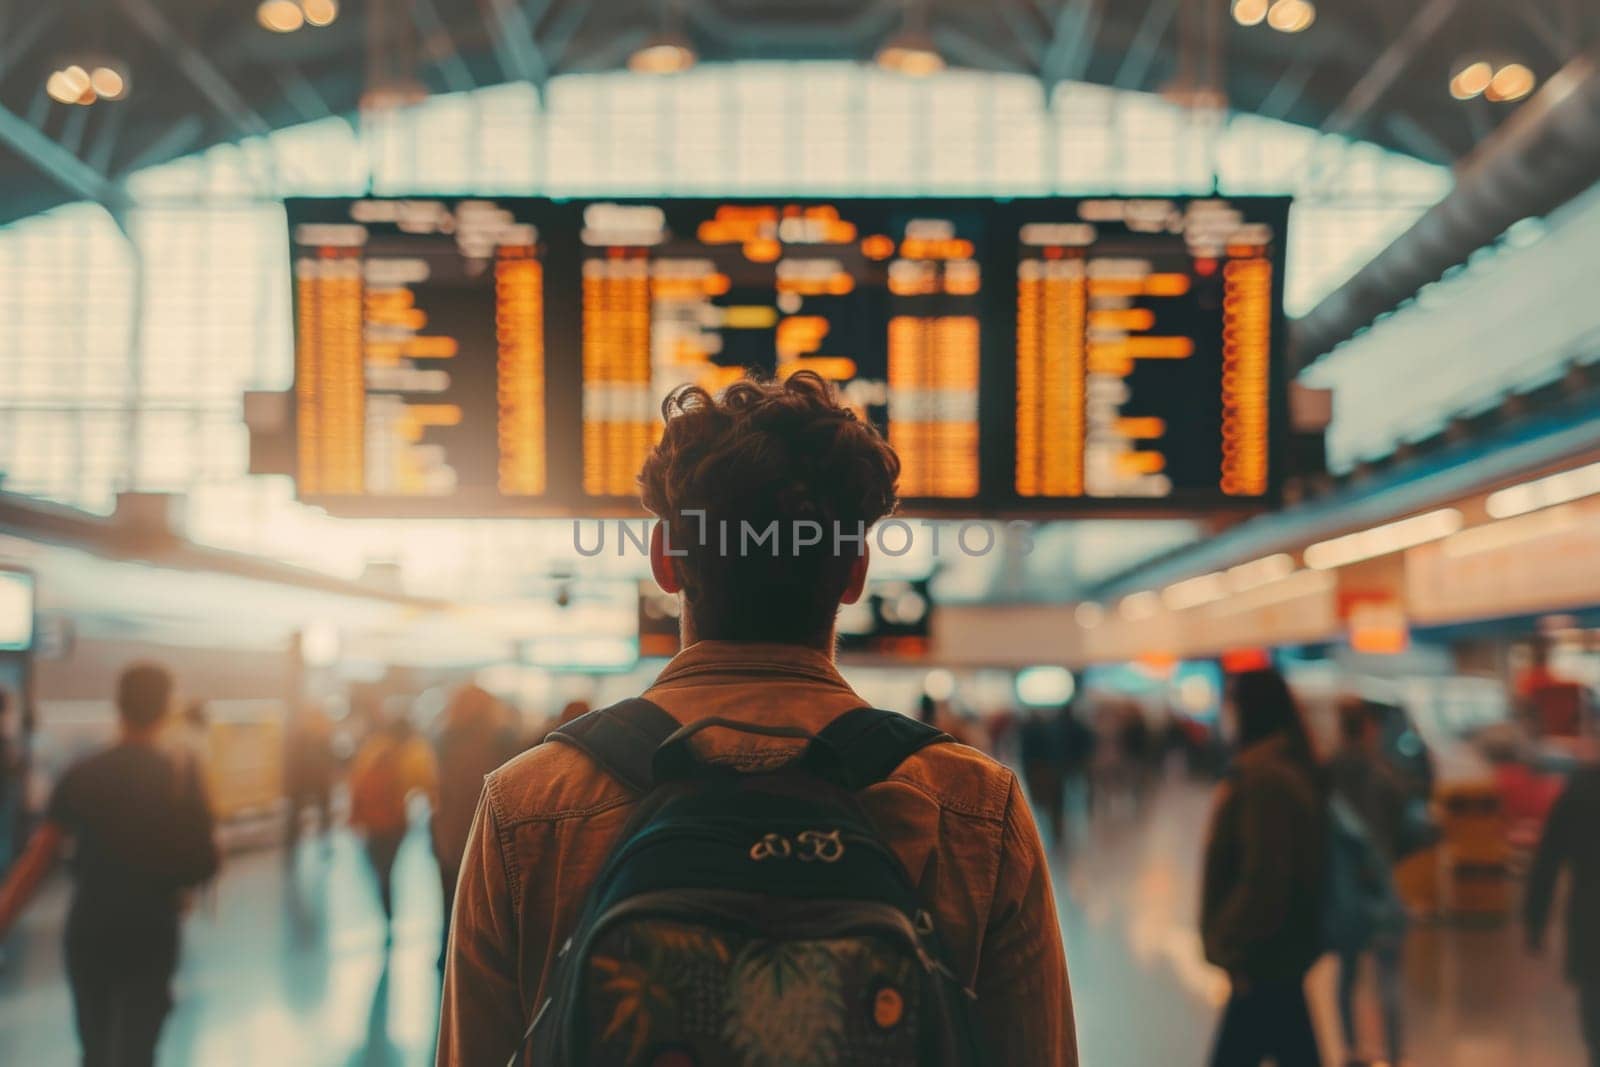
(858, 578)
(662, 568)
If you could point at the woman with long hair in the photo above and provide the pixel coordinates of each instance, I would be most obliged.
(1262, 905)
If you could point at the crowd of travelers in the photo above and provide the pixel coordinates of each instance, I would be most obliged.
(747, 864)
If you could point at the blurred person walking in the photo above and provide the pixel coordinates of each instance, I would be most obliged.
(1043, 770)
(477, 736)
(1055, 752)
(1261, 905)
(1078, 741)
(393, 763)
(1135, 741)
(1571, 842)
(1368, 915)
(310, 766)
(143, 832)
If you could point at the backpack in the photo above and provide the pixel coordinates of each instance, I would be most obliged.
(754, 919)
(1360, 901)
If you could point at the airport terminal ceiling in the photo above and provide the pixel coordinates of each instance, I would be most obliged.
(174, 325)
(200, 74)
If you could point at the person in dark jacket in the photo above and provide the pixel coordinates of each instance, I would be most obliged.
(1044, 770)
(1571, 841)
(140, 819)
(1264, 865)
(310, 767)
(1055, 748)
(1363, 777)
(477, 737)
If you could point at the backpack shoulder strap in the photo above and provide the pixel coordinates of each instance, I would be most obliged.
(622, 739)
(865, 746)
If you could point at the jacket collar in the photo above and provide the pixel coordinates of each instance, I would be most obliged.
(752, 658)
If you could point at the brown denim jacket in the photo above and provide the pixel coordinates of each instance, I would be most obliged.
(957, 820)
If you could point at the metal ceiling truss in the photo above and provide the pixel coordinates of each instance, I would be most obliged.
(1134, 70)
(441, 48)
(513, 33)
(55, 159)
(200, 70)
(1077, 24)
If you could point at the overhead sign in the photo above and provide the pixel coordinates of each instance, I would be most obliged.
(510, 356)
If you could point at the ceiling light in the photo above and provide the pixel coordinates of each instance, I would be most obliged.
(1249, 12)
(319, 12)
(1195, 592)
(1382, 540)
(1291, 16)
(1259, 572)
(393, 94)
(74, 85)
(1544, 492)
(910, 52)
(1089, 615)
(1297, 585)
(280, 16)
(1140, 606)
(77, 78)
(1471, 80)
(62, 88)
(667, 53)
(1507, 533)
(108, 83)
(1511, 82)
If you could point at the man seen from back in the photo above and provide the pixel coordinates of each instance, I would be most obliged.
(758, 640)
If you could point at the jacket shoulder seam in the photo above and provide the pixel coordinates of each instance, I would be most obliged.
(973, 810)
(565, 814)
(502, 835)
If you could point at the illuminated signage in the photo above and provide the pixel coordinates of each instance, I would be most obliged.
(511, 356)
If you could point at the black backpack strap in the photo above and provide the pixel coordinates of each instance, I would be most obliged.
(622, 739)
(864, 746)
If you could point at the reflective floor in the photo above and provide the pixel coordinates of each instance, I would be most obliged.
(281, 967)
(287, 965)
(1128, 890)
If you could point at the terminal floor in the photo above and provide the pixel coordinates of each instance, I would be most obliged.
(286, 965)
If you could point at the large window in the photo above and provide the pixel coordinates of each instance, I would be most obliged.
(123, 356)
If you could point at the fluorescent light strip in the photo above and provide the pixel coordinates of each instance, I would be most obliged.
(1544, 492)
(1194, 592)
(1140, 606)
(1382, 540)
(1509, 532)
(1259, 572)
(1297, 585)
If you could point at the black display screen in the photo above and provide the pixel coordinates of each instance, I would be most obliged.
(510, 356)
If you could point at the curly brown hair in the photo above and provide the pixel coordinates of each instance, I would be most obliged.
(763, 455)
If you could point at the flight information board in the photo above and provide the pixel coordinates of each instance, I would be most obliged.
(510, 356)
(419, 352)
